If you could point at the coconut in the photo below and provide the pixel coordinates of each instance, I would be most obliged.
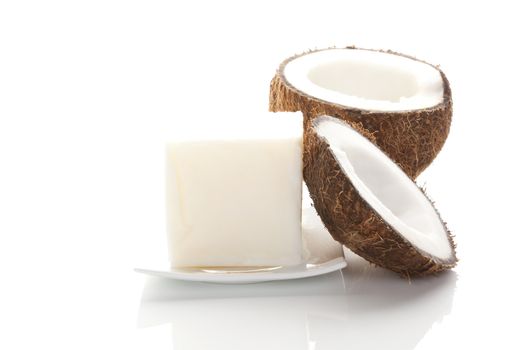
(403, 103)
(370, 205)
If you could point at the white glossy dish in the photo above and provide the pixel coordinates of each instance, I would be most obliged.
(323, 255)
(249, 275)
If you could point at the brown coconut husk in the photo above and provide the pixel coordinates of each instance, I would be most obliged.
(354, 223)
(411, 138)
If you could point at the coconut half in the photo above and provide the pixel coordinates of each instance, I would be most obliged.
(370, 205)
(403, 103)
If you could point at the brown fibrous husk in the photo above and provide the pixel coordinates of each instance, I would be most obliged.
(411, 138)
(354, 223)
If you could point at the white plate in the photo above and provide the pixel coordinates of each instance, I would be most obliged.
(324, 255)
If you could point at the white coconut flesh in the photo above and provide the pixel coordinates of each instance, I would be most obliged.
(386, 188)
(365, 79)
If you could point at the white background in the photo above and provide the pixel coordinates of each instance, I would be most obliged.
(88, 87)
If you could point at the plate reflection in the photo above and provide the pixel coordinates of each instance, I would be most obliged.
(362, 307)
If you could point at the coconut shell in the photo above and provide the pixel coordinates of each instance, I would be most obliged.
(354, 223)
(411, 138)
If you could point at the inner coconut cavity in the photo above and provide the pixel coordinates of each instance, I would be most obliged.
(366, 79)
(386, 188)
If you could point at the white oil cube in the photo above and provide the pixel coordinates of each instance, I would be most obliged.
(234, 198)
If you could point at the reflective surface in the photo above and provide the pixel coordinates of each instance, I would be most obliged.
(366, 307)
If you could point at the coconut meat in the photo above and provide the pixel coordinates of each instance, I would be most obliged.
(386, 188)
(234, 196)
(366, 79)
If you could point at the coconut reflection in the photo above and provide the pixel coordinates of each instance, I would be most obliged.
(363, 308)
(383, 311)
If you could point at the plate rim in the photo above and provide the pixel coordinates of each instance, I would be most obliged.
(325, 267)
